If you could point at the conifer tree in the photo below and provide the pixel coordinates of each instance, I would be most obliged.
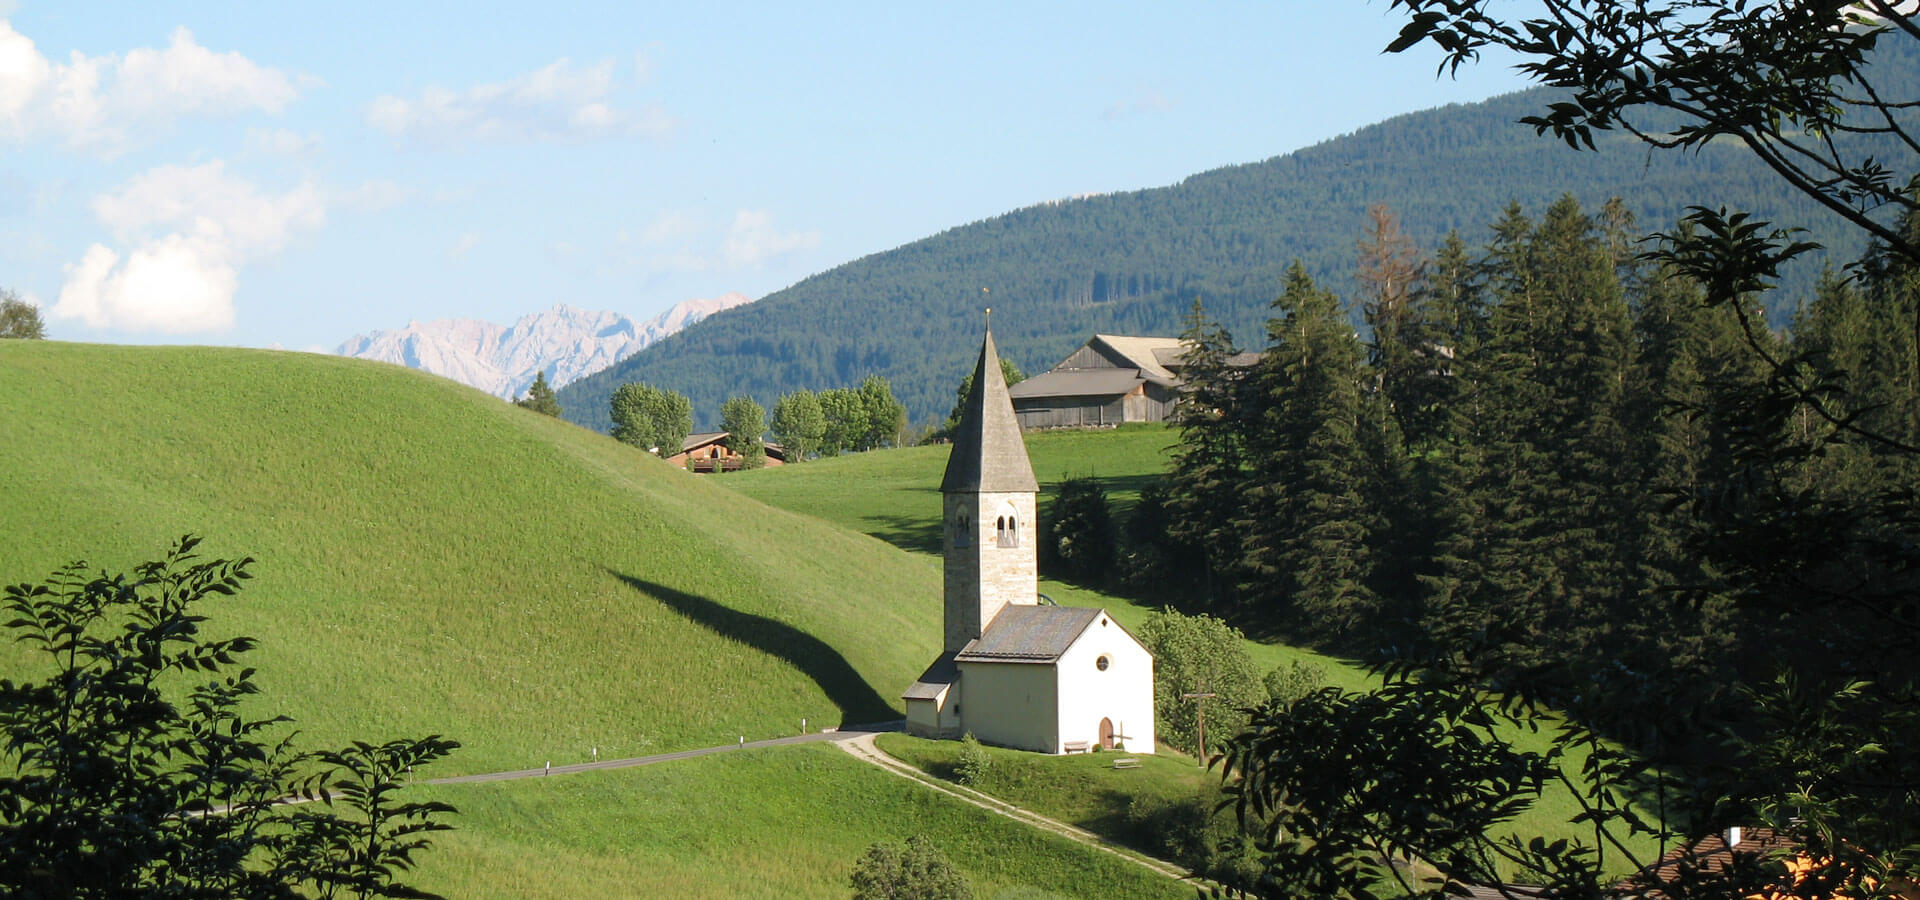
(540, 397)
(1304, 520)
(1537, 560)
(1210, 464)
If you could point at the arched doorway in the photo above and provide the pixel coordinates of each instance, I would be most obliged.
(1106, 734)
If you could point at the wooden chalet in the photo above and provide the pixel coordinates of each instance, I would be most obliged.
(707, 452)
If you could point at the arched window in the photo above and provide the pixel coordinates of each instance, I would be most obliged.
(963, 531)
(1008, 532)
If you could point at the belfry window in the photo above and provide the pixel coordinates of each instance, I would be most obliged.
(1007, 531)
(963, 531)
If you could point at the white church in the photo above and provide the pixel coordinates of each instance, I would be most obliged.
(1013, 671)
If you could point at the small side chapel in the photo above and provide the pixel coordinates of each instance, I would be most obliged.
(1014, 672)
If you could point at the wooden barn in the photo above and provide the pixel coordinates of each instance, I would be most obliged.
(1110, 380)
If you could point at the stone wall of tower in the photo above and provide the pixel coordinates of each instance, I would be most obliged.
(981, 576)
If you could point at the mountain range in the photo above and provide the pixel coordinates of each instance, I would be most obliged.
(565, 342)
(1135, 262)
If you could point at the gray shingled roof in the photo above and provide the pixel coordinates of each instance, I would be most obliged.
(988, 454)
(1032, 634)
(938, 677)
(1077, 383)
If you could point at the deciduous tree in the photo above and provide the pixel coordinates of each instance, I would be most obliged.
(744, 421)
(137, 762)
(18, 318)
(651, 418)
(799, 425)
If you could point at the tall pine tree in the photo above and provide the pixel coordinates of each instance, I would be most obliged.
(1305, 522)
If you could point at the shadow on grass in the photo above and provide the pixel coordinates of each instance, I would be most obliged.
(919, 534)
(857, 700)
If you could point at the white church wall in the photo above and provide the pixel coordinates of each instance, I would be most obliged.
(935, 718)
(1122, 692)
(1011, 704)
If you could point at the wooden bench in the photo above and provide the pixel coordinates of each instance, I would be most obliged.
(1126, 763)
(1075, 746)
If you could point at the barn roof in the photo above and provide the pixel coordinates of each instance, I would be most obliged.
(1033, 634)
(988, 454)
(1145, 353)
(1076, 383)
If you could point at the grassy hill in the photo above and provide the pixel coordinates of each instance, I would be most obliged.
(434, 560)
(1133, 262)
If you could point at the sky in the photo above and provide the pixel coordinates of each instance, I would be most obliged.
(268, 176)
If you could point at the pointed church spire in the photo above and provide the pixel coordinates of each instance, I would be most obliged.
(988, 453)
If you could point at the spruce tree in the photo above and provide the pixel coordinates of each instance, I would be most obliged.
(540, 397)
(1209, 466)
(1304, 521)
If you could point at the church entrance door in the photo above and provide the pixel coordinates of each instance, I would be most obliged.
(1106, 734)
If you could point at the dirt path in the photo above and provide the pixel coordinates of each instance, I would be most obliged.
(862, 747)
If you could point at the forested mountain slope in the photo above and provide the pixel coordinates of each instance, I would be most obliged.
(1133, 263)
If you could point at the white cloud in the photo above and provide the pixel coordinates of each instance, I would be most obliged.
(465, 243)
(665, 227)
(1146, 100)
(281, 142)
(753, 239)
(557, 102)
(191, 229)
(374, 195)
(103, 102)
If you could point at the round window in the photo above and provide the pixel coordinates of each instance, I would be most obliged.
(1103, 662)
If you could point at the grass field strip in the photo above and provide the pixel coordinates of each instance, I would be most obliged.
(863, 748)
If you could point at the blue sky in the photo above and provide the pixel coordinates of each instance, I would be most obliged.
(254, 175)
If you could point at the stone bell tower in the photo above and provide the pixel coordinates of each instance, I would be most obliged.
(988, 535)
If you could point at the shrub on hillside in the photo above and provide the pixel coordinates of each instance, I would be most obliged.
(917, 871)
(974, 763)
(1294, 680)
(1195, 833)
(1199, 654)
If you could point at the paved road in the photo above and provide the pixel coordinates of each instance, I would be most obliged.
(845, 734)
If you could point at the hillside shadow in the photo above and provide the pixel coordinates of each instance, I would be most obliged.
(918, 534)
(857, 700)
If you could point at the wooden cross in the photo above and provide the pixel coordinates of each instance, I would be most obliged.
(1200, 698)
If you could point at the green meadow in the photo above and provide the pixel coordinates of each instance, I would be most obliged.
(775, 822)
(432, 560)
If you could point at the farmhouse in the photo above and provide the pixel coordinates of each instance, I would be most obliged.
(1012, 671)
(1112, 379)
(1109, 380)
(708, 452)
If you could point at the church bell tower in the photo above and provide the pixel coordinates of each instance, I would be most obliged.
(988, 493)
